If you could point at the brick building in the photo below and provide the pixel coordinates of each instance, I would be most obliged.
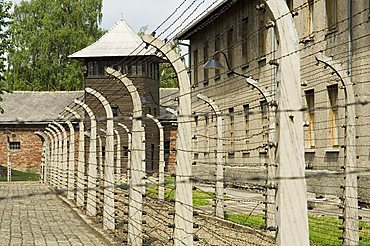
(24, 113)
(239, 29)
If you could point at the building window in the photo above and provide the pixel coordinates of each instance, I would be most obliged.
(333, 114)
(205, 58)
(230, 48)
(231, 155)
(264, 120)
(310, 17)
(310, 99)
(232, 127)
(14, 145)
(206, 135)
(262, 36)
(244, 41)
(103, 151)
(125, 151)
(115, 111)
(331, 13)
(155, 111)
(195, 138)
(195, 67)
(290, 5)
(246, 118)
(217, 56)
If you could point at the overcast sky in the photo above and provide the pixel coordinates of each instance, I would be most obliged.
(139, 13)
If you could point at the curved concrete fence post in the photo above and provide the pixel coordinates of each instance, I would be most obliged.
(100, 183)
(53, 155)
(291, 194)
(64, 156)
(183, 194)
(59, 159)
(351, 224)
(270, 209)
(136, 185)
(71, 157)
(49, 157)
(161, 184)
(109, 209)
(219, 206)
(79, 186)
(118, 155)
(44, 155)
(129, 141)
(100, 159)
(92, 164)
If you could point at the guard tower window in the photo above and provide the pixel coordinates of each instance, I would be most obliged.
(97, 68)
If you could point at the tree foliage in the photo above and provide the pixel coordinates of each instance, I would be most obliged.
(44, 33)
(5, 43)
(168, 74)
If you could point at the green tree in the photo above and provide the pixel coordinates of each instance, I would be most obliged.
(168, 75)
(5, 42)
(44, 33)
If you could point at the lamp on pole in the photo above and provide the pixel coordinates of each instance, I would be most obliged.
(270, 183)
(215, 64)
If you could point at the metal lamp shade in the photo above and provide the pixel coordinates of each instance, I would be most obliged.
(213, 64)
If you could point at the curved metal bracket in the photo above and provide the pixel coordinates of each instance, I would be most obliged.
(172, 111)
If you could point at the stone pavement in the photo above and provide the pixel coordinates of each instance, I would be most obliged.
(30, 214)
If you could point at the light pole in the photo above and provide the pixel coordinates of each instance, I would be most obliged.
(270, 183)
(215, 64)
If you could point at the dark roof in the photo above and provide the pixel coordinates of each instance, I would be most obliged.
(167, 99)
(29, 107)
(204, 20)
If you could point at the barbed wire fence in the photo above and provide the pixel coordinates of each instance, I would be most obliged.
(232, 146)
